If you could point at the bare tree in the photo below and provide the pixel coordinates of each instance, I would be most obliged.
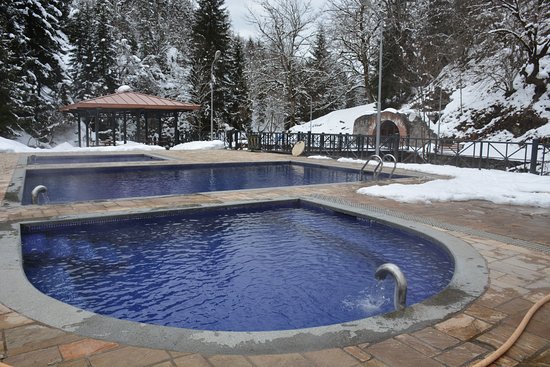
(528, 22)
(354, 30)
(284, 28)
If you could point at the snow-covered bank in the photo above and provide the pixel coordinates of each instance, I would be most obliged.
(12, 146)
(495, 186)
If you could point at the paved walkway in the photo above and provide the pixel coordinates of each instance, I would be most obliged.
(519, 276)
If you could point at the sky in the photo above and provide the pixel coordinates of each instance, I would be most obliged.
(238, 11)
(465, 183)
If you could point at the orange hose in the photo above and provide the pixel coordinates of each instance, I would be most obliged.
(515, 335)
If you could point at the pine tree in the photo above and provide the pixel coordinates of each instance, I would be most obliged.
(8, 115)
(210, 32)
(237, 97)
(35, 46)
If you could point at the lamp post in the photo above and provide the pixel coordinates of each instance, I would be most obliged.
(379, 107)
(212, 82)
(379, 104)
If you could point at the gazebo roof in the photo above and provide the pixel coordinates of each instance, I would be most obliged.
(128, 101)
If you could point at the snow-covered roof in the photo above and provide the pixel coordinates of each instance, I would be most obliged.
(130, 101)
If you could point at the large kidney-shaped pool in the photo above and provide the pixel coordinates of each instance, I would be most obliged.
(255, 267)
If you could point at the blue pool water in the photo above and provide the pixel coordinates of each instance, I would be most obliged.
(90, 158)
(69, 185)
(249, 268)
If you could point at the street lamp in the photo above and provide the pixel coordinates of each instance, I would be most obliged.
(212, 82)
(379, 103)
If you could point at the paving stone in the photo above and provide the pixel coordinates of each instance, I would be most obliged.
(12, 319)
(36, 358)
(461, 354)
(192, 360)
(526, 346)
(130, 357)
(493, 298)
(485, 313)
(85, 347)
(164, 364)
(515, 306)
(32, 337)
(463, 327)
(331, 357)
(418, 345)
(229, 361)
(504, 362)
(373, 363)
(436, 338)
(281, 360)
(358, 353)
(74, 363)
(396, 354)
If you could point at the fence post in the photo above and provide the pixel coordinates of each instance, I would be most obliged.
(534, 156)
(480, 154)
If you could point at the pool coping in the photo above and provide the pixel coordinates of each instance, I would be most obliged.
(469, 281)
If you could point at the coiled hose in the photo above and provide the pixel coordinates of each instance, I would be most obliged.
(515, 335)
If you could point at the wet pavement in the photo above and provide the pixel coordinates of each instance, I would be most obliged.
(513, 240)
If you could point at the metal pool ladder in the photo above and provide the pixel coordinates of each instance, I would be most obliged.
(400, 292)
(390, 157)
(377, 169)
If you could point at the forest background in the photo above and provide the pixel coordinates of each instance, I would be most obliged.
(302, 63)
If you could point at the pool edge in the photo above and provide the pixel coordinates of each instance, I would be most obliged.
(469, 281)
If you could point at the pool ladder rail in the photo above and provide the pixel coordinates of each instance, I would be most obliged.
(400, 291)
(379, 166)
(35, 193)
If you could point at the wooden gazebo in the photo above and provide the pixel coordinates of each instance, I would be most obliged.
(123, 106)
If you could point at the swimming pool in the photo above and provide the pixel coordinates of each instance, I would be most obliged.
(90, 158)
(83, 184)
(468, 282)
(259, 267)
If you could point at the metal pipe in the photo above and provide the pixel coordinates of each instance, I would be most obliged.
(37, 191)
(400, 292)
(212, 82)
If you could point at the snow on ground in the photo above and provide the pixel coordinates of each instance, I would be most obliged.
(200, 145)
(12, 146)
(336, 122)
(465, 184)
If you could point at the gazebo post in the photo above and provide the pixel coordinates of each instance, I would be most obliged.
(113, 126)
(96, 127)
(159, 116)
(124, 123)
(79, 131)
(176, 130)
(138, 123)
(146, 128)
(87, 123)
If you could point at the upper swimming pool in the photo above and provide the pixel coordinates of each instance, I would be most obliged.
(90, 158)
(83, 184)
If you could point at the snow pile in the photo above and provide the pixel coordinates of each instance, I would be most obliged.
(336, 122)
(465, 184)
(200, 145)
(11, 146)
(123, 89)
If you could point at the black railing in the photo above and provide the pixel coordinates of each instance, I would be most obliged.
(533, 157)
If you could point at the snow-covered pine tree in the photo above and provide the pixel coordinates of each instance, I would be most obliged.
(35, 41)
(210, 32)
(237, 98)
(93, 57)
(325, 81)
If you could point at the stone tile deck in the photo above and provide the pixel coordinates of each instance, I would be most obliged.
(518, 278)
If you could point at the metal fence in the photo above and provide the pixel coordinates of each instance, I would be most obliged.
(533, 157)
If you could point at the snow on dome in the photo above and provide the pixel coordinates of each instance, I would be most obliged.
(124, 89)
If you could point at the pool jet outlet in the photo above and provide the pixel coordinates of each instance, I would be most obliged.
(400, 292)
(37, 191)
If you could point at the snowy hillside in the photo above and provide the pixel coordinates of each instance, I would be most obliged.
(478, 109)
